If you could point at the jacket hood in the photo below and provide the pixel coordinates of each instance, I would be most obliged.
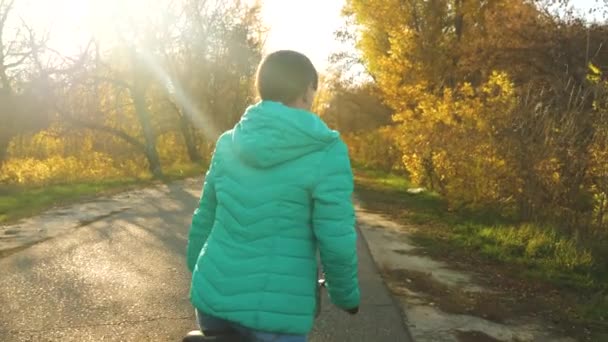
(270, 133)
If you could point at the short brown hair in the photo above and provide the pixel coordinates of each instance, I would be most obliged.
(285, 75)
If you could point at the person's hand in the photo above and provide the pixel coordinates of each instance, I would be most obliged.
(353, 311)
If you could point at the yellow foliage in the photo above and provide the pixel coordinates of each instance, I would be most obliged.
(374, 149)
(447, 141)
(599, 171)
(58, 169)
(52, 156)
(171, 148)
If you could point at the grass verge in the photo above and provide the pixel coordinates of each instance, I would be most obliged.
(22, 201)
(572, 269)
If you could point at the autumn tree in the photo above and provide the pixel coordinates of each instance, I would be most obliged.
(22, 90)
(187, 72)
(208, 68)
(357, 111)
(352, 108)
(491, 97)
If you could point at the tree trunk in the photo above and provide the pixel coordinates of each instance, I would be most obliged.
(7, 112)
(4, 142)
(139, 101)
(601, 212)
(186, 129)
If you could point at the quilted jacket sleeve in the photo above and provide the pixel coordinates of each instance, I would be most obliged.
(203, 218)
(334, 227)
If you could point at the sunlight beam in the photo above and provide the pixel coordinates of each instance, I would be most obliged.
(184, 104)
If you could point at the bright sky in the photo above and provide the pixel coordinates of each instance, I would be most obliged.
(307, 26)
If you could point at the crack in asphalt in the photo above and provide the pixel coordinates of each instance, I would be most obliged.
(79, 224)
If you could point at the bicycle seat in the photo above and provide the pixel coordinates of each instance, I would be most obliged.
(197, 336)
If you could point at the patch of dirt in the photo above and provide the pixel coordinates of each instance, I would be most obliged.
(474, 336)
(521, 295)
(406, 252)
(510, 296)
(490, 306)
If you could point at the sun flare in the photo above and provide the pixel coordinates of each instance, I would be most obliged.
(71, 23)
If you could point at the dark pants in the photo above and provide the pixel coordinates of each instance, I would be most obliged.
(212, 324)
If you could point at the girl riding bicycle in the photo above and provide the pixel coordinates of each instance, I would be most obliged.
(278, 191)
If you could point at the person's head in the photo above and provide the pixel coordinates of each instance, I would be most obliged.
(288, 77)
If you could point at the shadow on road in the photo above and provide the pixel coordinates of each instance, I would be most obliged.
(129, 267)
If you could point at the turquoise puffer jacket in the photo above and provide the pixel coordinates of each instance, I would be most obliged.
(278, 190)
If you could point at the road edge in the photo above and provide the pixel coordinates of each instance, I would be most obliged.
(394, 300)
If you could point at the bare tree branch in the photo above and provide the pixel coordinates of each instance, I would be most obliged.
(111, 130)
(6, 8)
(11, 43)
(18, 62)
(102, 128)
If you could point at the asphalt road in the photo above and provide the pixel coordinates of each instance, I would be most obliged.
(124, 278)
